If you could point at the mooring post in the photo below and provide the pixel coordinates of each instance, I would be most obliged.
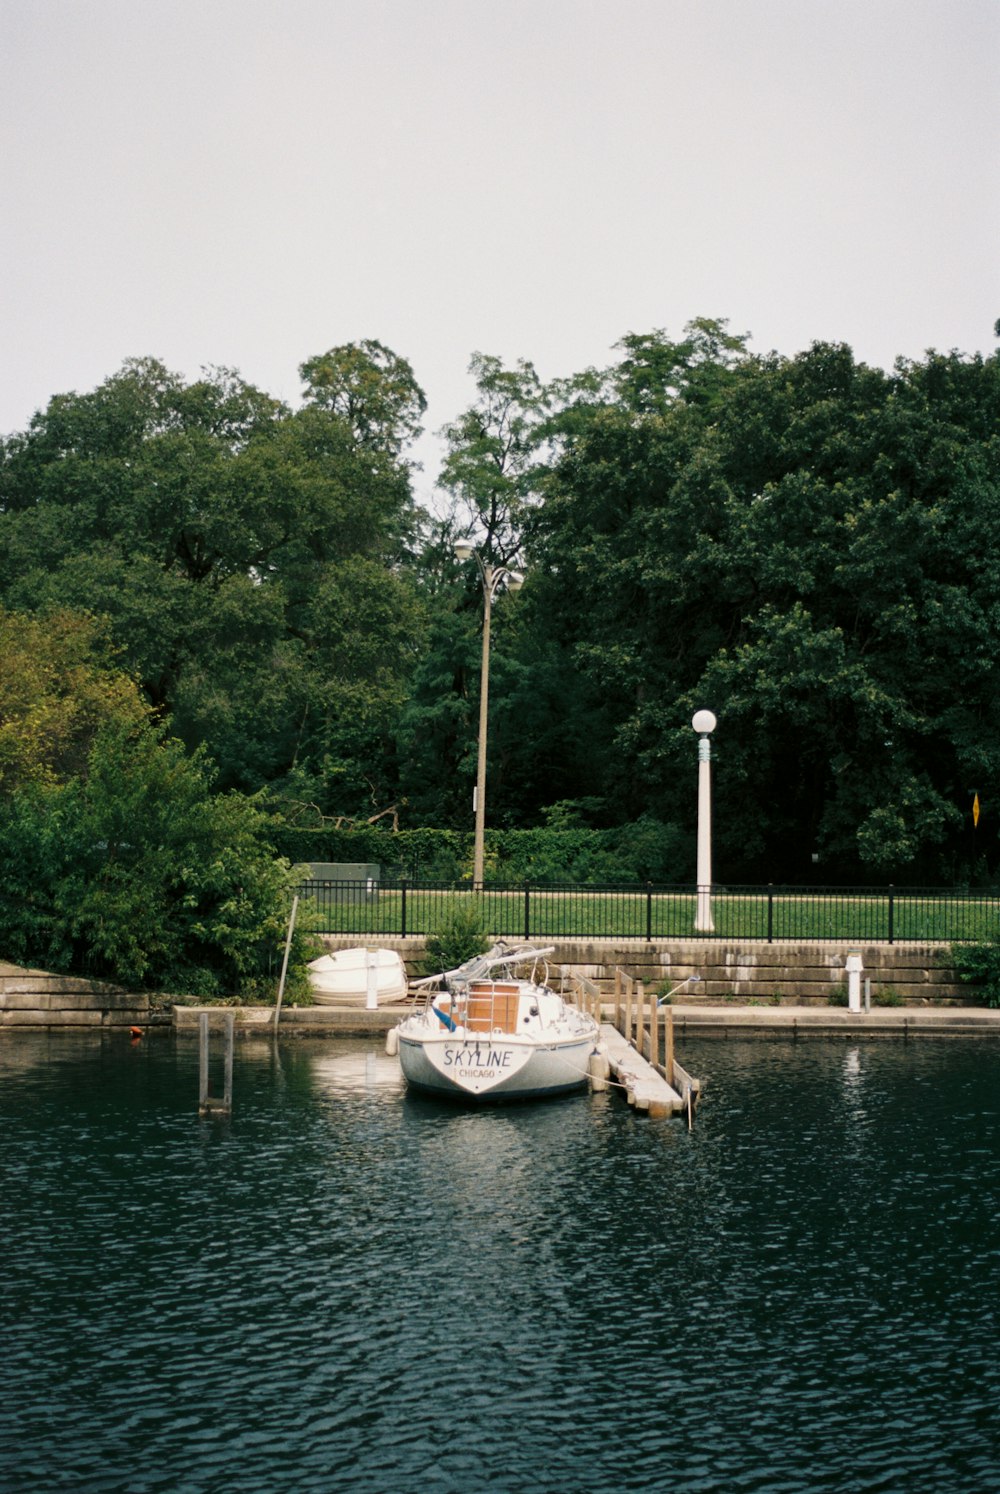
(640, 1015)
(203, 1062)
(618, 997)
(206, 1104)
(284, 963)
(227, 1096)
(668, 1046)
(654, 1030)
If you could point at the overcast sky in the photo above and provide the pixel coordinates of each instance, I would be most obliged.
(248, 183)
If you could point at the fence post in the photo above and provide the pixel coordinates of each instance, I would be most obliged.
(649, 912)
(402, 907)
(527, 912)
(891, 909)
(770, 914)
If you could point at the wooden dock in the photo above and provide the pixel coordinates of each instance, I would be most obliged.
(639, 1044)
(645, 1087)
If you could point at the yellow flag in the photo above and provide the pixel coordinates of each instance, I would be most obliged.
(975, 810)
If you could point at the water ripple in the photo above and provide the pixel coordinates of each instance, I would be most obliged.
(348, 1288)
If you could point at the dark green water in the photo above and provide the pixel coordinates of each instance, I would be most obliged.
(344, 1288)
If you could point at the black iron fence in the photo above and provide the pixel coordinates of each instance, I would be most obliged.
(537, 911)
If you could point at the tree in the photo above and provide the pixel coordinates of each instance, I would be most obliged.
(138, 873)
(817, 562)
(512, 469)
(59, 686)
(371, 388)
(220, 534)
(491, 467)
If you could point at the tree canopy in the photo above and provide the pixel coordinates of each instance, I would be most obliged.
(248, 559)
(805, 544)
(812, 552)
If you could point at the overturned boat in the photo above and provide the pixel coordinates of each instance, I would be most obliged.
(352, 975)
(494, 1029)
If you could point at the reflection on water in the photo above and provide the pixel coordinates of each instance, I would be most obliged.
(367, 1070)
(346, 1287)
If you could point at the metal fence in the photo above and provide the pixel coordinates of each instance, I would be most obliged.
(538, 911)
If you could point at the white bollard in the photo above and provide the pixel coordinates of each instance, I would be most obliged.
(371, 994)
(854, 969)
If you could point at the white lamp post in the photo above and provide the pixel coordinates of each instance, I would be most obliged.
(704, 723)
(493, 578)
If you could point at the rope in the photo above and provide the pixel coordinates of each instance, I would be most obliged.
(585, 1073)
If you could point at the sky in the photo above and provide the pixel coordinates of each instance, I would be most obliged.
(246, 183)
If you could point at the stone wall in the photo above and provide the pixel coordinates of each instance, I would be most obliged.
(35, 998)
(786, 974)
(797, 974)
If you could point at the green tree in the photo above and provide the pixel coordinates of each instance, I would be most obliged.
(59, 685)
(812, 553)
(250, 560)
(372, 389)
(138, 873)
(491, 466)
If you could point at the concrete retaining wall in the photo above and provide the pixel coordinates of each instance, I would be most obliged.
(799, 974)
(34, 998)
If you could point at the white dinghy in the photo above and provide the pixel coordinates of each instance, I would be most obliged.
(489, 1032)
(343, 977)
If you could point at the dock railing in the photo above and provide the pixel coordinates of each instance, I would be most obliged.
(768, 914)
(637, 1014)
(649, 1027)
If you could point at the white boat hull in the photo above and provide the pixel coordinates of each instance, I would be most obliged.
(494, 1067)
(487, 1033)
(343, 977)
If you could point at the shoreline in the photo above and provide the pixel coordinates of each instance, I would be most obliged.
(689, 1021)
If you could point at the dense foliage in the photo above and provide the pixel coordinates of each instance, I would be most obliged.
(809, 547)
(246, 557)
(118, 860)
(806, 545)
(978, 964)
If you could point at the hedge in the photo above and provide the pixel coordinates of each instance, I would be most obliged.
(643, 851)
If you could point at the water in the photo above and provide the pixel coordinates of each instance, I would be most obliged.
(346, 1288)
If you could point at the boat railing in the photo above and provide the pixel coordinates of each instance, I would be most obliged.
(483, 965)
(483, 992)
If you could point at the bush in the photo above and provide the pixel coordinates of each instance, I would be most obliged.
(979, 965)
(646, 850)
(461, 934)
(138, 874)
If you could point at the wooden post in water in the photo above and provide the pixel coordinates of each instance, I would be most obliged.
(654, 1031)
(640, 1015)
(284, 963)
(668, 1046)
(202, 1063)
(207, 1104)
(618, 997)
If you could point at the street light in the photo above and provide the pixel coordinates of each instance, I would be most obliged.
(493, 578)
(704, 723)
